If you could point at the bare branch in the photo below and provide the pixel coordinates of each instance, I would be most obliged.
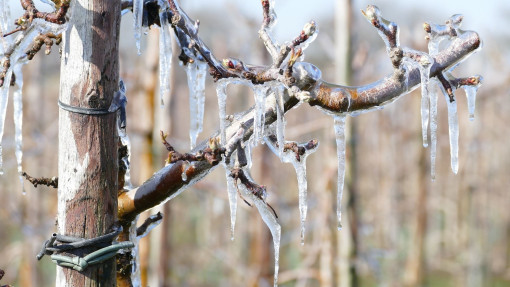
(51, 182)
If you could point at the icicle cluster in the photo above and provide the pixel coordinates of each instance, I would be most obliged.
(437, 34)
(16, 49)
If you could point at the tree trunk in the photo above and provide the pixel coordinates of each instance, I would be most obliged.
(88, 167)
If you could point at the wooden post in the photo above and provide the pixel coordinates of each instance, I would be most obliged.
(88, 167)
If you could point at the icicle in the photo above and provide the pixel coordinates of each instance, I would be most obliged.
(433, 131)
(425, 113)
(165, 56)
(453, 130)
(137, 22)
(18, 118)
(280, 121)
(5, 21)
(4, 98)
(302, 189)
(300, 168)
(271, 221)
(471, 99)
(196, 73)
(221, 92)
(135, 261)
(119, 105)
(340, 148)
(259, 92)
(232, 200)
(470, 91)
(423, 62)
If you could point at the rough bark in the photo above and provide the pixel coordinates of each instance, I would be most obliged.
(87, 193)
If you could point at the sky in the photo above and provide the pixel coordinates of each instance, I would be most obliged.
(483, 16)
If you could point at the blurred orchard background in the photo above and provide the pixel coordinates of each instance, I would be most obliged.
(400, 228)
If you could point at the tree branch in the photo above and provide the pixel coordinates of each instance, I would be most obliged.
(308, 86)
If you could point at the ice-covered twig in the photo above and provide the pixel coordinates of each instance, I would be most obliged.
(265, 29)
(265, 210)
(151, 222)
(43, 39)
(212, 153)
(182, 22)
(259, 191)
(446, 86)
(387, 30)
(31, 13)
(26, 25)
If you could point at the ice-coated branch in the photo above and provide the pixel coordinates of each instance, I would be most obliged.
(308, 86)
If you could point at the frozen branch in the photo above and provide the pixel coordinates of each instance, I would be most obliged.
(167, 182)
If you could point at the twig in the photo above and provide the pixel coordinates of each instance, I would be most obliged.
(258, 190)
(149, 222)
(51, 182)
(447, 87)
(212, 154)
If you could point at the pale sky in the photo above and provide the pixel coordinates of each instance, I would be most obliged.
(483, 16)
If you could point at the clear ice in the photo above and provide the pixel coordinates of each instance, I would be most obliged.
(137, 22)
(119, 103)
(453, 131)
(221, 92)
(280, 119)
(259, 93)
(300, 168)
(4, 99)
(165, 56)
(471, 97)
(136, 279)
(433, 96)
(340, 149)
(232, 201)
(196, 73)
(423, 62)
(18, 117)
(150, 227)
